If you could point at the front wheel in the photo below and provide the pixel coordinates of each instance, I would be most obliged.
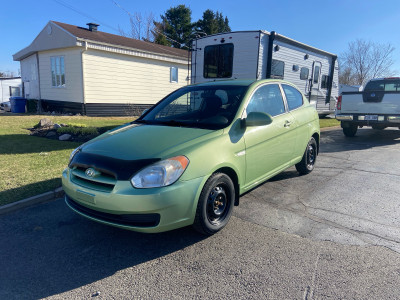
(307, 163)
(215, 205)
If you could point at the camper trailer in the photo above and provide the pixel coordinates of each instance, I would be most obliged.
(261, 54)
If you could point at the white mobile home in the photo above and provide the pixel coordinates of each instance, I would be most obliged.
(83, 70)
(262, 54)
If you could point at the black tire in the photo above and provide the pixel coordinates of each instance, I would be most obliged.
(378, 126)
(350, 131)
(307, 163)
(215, 205)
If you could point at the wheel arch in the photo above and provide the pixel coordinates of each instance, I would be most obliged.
(233, 176)
(316, 138)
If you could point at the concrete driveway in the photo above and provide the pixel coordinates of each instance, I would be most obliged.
(350, 199)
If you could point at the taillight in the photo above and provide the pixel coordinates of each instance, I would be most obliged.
(339, 103)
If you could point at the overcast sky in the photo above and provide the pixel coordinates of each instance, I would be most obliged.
(327, 24)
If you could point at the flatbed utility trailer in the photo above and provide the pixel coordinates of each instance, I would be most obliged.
(260, 55)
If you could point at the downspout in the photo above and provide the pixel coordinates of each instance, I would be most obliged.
(39, 108)
(330, 80)
(83, 79)
(270, 48)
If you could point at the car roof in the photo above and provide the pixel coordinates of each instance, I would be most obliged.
(238, 82)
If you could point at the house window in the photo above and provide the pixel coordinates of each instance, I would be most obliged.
(277, 69)
(324, 81)
(304, 73)
(218, 61)
(173, 74)
(57, 71)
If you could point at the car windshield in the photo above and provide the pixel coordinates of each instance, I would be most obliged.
(387, 85)
(210, 107)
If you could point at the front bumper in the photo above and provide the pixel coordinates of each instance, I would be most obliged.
(144, 210)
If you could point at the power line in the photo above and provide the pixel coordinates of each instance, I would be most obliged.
(84, 14)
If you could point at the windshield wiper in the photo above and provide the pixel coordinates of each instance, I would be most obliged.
(172, 123)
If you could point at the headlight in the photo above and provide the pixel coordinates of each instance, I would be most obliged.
(75, 151)
(162, 173)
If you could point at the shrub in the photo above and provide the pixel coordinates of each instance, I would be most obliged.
(78, 130)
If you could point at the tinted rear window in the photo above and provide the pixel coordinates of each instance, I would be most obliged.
(388, 85)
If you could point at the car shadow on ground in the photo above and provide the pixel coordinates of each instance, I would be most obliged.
(48, 249)
(366, 138)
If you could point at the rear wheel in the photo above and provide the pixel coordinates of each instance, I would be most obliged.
(350, 131)
(378, 126)
(306, 165)
(215, 205)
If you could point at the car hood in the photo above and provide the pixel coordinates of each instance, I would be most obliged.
(141, 141)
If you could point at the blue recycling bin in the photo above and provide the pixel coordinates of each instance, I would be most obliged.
(18, 105)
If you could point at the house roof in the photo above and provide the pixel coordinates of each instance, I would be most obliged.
(104, 37)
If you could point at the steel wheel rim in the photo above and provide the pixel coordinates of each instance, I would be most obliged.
(311, 155)
(217, 204)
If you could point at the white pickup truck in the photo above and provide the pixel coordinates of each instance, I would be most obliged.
(378, 105)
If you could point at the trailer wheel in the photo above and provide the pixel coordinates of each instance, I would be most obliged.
(350, 131)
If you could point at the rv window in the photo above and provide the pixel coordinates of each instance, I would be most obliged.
(218, 61)
(293, 97)
(304, 73)
(267, 99)
(324, 81)
(316, 74)
(277, 69)
(295, 68)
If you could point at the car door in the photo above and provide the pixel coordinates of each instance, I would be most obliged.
(269, 148)
(301, 117)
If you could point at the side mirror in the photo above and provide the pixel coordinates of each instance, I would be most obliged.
(258, 119)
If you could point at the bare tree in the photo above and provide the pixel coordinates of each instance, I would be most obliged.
(140, 27)
(365, 60)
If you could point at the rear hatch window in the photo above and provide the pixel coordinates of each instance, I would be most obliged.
(384, 85)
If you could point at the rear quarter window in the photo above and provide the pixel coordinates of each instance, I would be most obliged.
(293, 97)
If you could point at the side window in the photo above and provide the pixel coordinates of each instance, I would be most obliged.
(218, 61)
(267, 99)
(293, 97)
(173, 74)
(57, 71)
(324, 81)
(316, 74)
(304, 73)
(277, 69)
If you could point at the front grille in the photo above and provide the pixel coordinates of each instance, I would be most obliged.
(103, 182)
(136, 220)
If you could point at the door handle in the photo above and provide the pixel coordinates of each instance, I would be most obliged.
(287, 123)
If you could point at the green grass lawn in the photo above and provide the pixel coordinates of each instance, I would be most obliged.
(31, 165)
(328, 122)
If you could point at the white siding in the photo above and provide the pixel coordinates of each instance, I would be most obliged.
(117, 78)
(30, 77)
(5, 84)
(245, 54)
(295, 56)
(72, 91)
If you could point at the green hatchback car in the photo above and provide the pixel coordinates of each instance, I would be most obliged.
(187, 160)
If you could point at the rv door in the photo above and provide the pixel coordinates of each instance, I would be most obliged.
(314, 82)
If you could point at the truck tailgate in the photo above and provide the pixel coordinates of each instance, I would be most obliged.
(359, 103)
